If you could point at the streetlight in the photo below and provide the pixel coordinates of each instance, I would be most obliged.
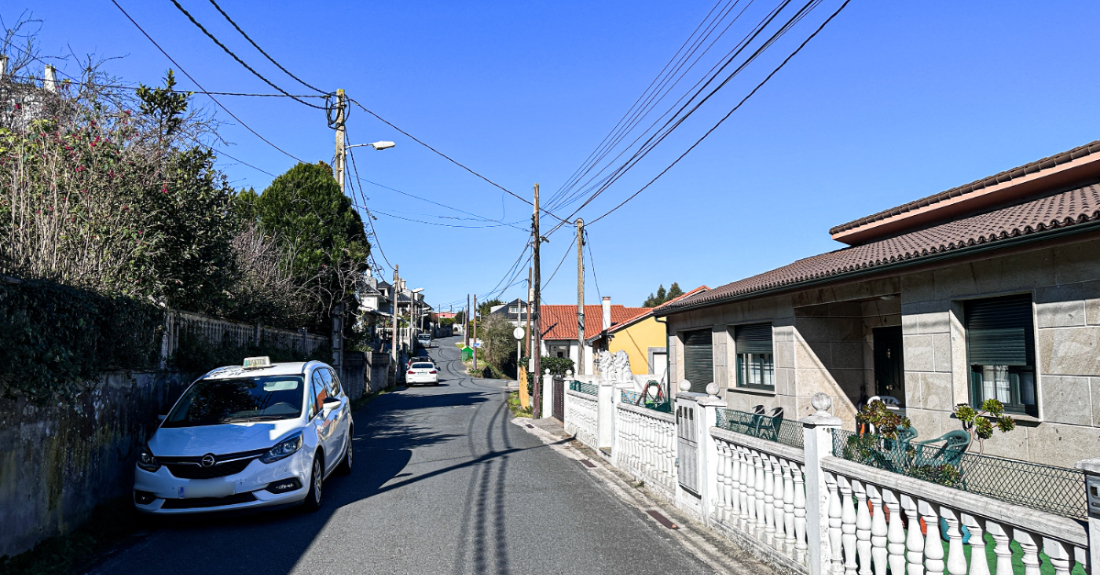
(375, 145)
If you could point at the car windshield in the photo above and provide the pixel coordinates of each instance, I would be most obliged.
(217, 401)
(423, 366)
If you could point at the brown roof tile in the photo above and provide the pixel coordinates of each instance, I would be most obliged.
(1007, 175)
(560, 321)
(1069, 208)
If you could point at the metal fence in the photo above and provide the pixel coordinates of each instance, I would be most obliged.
(584, 387)
(641, 400)
(1057, 490)
(761, 426)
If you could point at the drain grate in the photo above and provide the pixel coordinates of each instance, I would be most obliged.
(662, 519)
(588, 463)
(529, 425)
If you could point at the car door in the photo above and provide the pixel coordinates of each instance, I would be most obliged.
(332, 413)
(320, 421)
(340, 414)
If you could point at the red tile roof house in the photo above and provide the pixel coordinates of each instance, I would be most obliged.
(559, 328)
(991, 289)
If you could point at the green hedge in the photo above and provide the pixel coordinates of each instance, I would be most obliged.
(55, 338)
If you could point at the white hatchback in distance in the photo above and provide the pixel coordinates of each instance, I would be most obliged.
(422, 372)
(247, 437)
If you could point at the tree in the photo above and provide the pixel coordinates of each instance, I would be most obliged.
(663, 296)
(486, 307)
(306, 208)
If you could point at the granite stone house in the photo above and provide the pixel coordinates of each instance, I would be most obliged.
(990, 289)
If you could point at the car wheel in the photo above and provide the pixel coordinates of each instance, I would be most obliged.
(345, 465)
(316, 479)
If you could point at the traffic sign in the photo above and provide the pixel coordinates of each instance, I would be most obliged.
(517, 333)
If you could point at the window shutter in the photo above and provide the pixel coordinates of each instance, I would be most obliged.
(755, 338)
(998, 331)
(698, 359)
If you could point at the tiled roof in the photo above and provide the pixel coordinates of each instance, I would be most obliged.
(1007, 175)
(560, 321)
(644, 313)
(1070, 208)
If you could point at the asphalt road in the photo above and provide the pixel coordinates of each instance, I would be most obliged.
(443, 483)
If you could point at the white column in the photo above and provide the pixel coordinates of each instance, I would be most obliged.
(914, 544)
(895, 533)
(822, 549)
(1000, 547)
(548, 394)
(956, 560)
(1031, 551)
(977, 544)
(605, 414)
(933, 548)
(878, 530)
(708, 447)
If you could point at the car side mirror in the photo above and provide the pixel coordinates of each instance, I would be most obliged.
(331, 399)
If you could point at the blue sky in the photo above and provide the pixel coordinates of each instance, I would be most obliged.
(891, 102)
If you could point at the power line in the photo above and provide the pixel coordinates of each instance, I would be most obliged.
(671, 125)
(567, 251)
(370, 219)
(728, 114)
(77, 81)
(592, 263)
(452, 160)
(189, 77)
(239, 61)
(261, 50)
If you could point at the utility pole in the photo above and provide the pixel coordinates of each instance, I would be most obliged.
(579, 368)
(466, 323)
(538, 324)
(393, 336)
(475, 332)
(340, 162)
(528, 306)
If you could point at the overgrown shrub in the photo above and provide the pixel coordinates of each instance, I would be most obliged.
(55, 339)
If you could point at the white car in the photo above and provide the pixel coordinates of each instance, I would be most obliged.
(425, 340)
(422, 372)
(247, 437)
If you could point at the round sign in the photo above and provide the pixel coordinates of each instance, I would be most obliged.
(517, 333)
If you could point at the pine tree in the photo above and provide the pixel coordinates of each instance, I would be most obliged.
(674, 292)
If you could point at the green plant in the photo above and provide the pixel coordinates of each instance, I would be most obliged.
(945, 474)
(886, 422)
(977, 422)
(197, 355)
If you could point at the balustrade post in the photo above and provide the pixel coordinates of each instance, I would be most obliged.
(878, 530)
(744, 485)
(1031, 551)
(789, 539)
(933, 549)
(956, 560)
(799, 514)
(605, 415)
(708, 448)
(976, 526)
(1000, 547)
(823, 549)
(1091, 467)
(895, 532)
(863, 528)
(547, 394)
(914, 544)
(847, 524)
(1059, 555)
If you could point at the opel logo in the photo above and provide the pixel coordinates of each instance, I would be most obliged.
(208, 460)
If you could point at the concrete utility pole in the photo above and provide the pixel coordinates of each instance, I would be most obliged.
(341, 140)
(579, 368)
(475, 332)
(466, 323)
(536, 320)
(393, 345)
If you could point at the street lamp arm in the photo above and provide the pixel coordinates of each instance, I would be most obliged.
(376, 145)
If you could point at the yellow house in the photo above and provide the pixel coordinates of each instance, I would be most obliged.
(642, 337)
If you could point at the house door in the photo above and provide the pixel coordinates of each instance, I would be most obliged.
(889, 366)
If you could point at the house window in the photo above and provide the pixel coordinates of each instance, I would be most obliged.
(755, 363)
(513, 309)
(1000, 349)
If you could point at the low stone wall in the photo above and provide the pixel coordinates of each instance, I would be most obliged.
(377, 365)
(57, 462)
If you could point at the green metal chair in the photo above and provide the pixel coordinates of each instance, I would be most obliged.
(954, 446)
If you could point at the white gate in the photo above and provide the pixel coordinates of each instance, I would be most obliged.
(688, 447)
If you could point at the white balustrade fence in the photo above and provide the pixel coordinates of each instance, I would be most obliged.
(761, 492)
(645, 445)
(581, 416)
(806, 511)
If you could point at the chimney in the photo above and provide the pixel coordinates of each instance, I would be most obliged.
(51, 79)
(606, 312)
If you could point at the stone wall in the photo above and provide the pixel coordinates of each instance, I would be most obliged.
(58, 462)
(1065, 290)
(377, 371)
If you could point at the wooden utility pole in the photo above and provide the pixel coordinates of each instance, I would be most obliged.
(528, 306)
(466, 323)
(579, 368)
(339, 164)
(537, 317)
(475, 332)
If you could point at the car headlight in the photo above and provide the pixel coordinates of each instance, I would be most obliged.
(283, 449)
(146, 460)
